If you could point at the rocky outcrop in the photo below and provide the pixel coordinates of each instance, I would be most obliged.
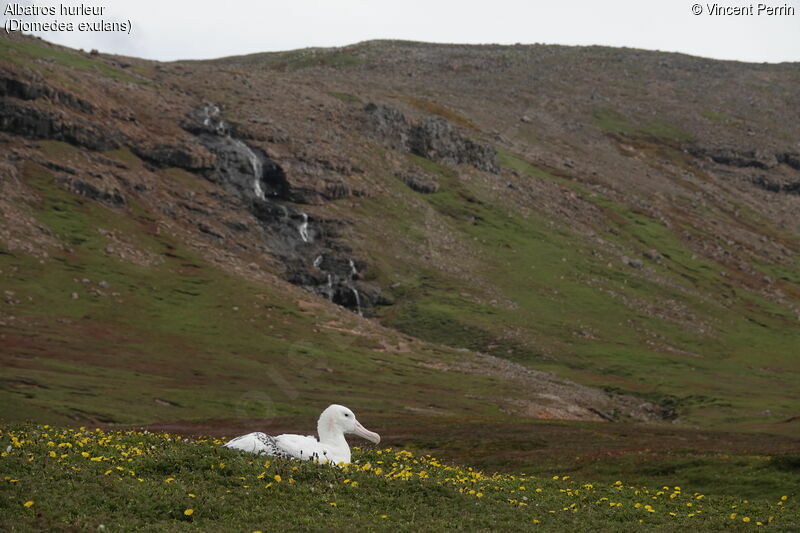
(777, 184)
(734, 157)
(434, 138)
(16, 88)
(27, 120)
(438, 140)
(187, 157)
(790, 159)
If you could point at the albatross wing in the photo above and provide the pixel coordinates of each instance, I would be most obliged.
(259, 443)
(303, 447)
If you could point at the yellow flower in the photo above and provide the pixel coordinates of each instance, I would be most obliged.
(188, 512)
(191, 495)
(784, 498)
(746, 519)
(733, 516)
(384, 516)
(277, 478)
(332, 504)
(169, 480)
(28, 503)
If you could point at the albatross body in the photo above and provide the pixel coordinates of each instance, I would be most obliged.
(331, 447)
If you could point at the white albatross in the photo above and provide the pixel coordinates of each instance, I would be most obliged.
(331, 447)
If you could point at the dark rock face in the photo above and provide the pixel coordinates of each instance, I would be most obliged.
(26, 120)
(434, 138)
(179, 156)
(733, 157)
(16, 88)
(792, 160)
(777, 185)
(388, 124)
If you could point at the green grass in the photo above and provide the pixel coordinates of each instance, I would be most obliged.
(64, 478)
(614, 122)
(532, 287)
(157, 333)
(301, 59)
(716, 116)
(27, 53)
(434, 108)
(346, 97)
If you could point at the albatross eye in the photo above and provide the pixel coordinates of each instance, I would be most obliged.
(347, 414)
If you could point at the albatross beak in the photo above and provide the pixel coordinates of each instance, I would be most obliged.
(364, 433)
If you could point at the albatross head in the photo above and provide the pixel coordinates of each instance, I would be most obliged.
(340, 419)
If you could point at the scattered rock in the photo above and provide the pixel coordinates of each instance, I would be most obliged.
(418, 182)
(633, 263)
(653, 255)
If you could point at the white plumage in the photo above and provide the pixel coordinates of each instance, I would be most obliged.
(331, 447)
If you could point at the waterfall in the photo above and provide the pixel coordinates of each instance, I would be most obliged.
(353, 270)
(330, 288)
(304, 228)
(255, 162)
(358, 301)
(211, 111)
(318, 261)
(255, 165)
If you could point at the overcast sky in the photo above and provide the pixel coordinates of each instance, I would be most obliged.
(197, 29)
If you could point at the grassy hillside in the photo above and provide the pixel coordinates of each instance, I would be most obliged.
(92, 334)
(528, 288)
(639, 236)
(58, 478)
